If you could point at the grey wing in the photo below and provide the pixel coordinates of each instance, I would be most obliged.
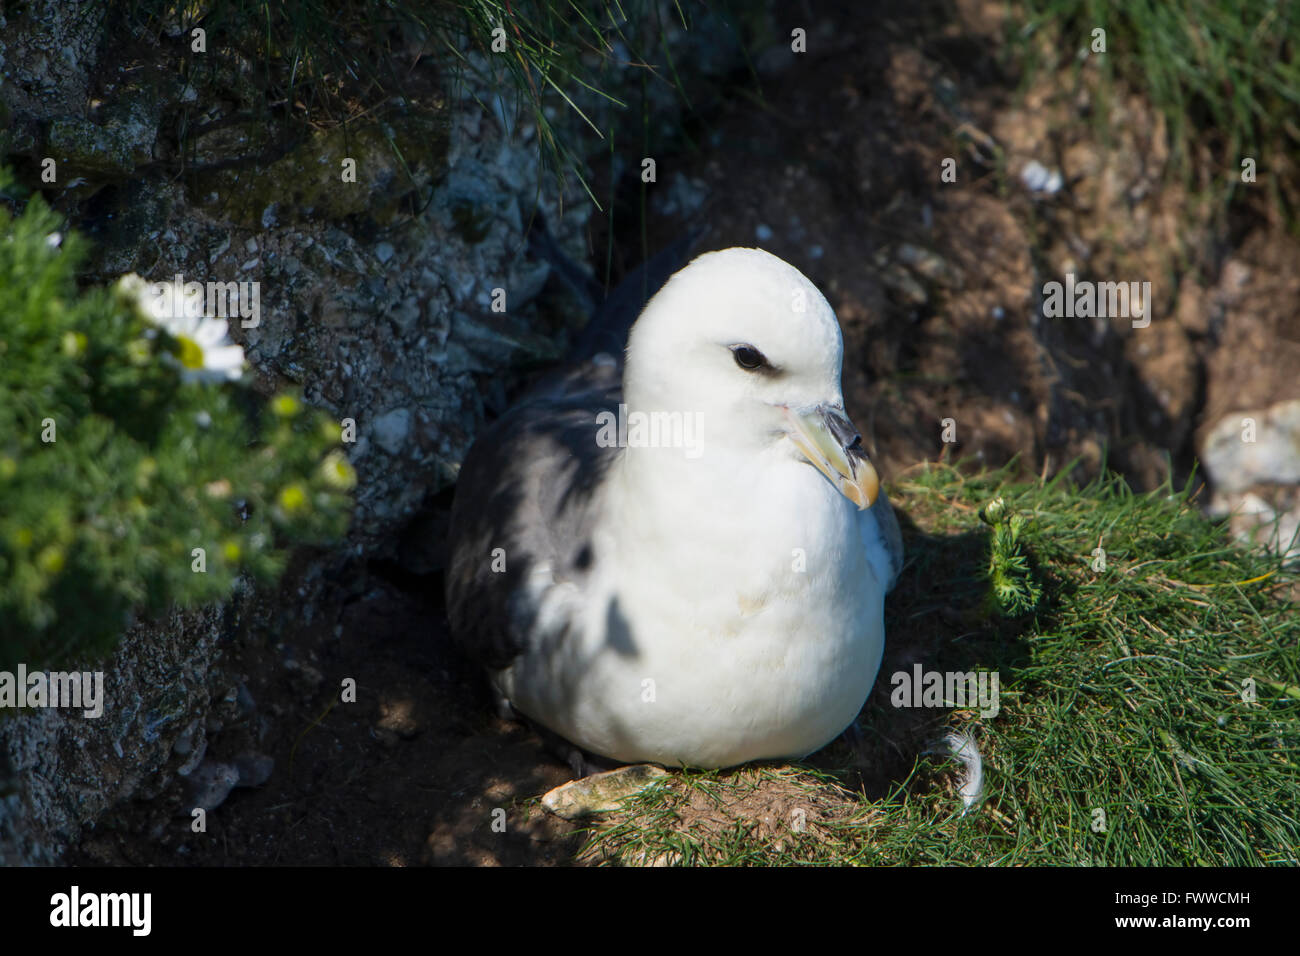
(530, 483)
(884, 541)
(522, 516)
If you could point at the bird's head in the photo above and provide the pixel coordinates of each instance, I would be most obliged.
(743, 340)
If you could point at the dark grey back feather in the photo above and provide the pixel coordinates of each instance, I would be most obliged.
(527, 484)
(526, 487)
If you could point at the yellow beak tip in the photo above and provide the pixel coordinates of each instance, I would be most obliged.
(867, 486)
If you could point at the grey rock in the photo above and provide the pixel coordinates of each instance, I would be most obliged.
(1257, 483)
(210, 784)
(69, 769)
(391, 429)
(1235, 464)
(184, 745)
(407, 313)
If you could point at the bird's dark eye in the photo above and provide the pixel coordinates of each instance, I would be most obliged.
(748, 357)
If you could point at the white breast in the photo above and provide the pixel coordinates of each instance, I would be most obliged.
(709, 637)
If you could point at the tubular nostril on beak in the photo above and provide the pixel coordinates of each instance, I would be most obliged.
(829, 440)
(843, 430)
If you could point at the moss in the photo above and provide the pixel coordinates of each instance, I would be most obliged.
(391, 158)
(121, 139)
(470, 223)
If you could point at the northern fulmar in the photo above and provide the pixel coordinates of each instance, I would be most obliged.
(682, 557)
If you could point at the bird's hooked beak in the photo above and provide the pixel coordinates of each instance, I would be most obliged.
(826, 437)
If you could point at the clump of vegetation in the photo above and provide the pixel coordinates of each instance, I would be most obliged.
(323, 63)
(1012, 586)
(1222, 72)
(135, 470)
(1150, 707)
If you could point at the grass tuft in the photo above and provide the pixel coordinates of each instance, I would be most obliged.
(317, 63)
(1224, 73)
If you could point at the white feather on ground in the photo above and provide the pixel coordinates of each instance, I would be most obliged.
(963, 749)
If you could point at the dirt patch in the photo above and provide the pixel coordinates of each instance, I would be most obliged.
(414, 772)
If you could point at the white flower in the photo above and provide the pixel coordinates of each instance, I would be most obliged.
(206, 354)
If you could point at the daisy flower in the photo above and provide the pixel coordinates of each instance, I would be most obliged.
(206, 353)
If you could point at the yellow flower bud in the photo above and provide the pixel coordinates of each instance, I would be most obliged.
(286, 406)
(331, 431)
(74, 344)
(145, 471)
(293, 499)
(50, 560)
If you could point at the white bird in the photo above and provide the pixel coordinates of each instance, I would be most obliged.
(704, 595)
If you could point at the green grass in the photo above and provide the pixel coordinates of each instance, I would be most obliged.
(1121, 692)
(1222, 72)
